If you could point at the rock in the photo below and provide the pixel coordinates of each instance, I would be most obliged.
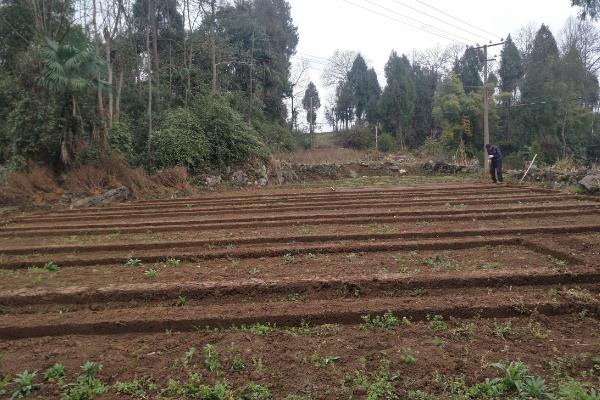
(394, 168)
(402, 172)
(263, 181)
(213, 180)
(280, 177)
(591, 182)
(352, 173)
(238, 176)
(121, 193)
(3, 171)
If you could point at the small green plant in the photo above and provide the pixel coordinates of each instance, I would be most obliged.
(319, 361)
(51, 267)
(258, 365)
(237, 364)
(553, 293)
(235, 264)
(294, 298)
(181, 301)
(253, 391)
(173, 262)
(434, 260)
(385, 321)
(464, 329)
(87, 385)
(311, 257)
(436, 323)
(288, 258)
(55, 372)
(211, 358)
(407, 356)
(151, 273)
(26, 384)
(419, 292)
(537, 330)
(132, 263)
(254, 271)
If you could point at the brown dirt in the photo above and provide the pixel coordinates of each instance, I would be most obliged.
(474, 254)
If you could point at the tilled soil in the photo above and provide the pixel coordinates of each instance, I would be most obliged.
(139, 284)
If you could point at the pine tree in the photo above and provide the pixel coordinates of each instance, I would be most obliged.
(311, 103)
(358, 81)
(468, 68)
(540, 121)
(511, 70)
(398, 99)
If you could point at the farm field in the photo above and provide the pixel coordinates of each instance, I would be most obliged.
(319, 293)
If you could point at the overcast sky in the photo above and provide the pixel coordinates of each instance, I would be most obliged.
(375, 27)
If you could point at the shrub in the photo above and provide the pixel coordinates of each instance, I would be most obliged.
(120, 137)
(434, 149)
(386, 143)
(359, 138)
(232, 141)
(180, 140)
(277, 137)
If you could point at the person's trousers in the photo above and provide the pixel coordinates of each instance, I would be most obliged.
(496, 170)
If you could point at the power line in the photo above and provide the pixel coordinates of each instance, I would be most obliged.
(458, 19)
(440, 20)
(397, 20)
(419, 22)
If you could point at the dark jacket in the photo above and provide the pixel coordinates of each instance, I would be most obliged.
(495, 151)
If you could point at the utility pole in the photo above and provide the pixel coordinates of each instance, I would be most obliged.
(486, 114)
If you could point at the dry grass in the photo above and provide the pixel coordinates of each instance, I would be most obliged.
(325, 156)
(39, 185)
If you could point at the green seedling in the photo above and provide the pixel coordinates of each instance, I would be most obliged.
(407, 356)
(173, 262)
(419, 293)
(238, 364)
(385, 321)
(55, 372)
(26, 384)
(288, 258)
(51, 267)
(181, 301)
(436, 323)
(211, 358)
(151, 273)
(132, 263)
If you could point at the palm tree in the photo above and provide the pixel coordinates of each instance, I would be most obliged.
(70, 68)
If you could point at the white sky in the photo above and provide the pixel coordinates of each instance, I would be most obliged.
(327, 25)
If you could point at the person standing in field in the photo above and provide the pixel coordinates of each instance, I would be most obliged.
(495, 160)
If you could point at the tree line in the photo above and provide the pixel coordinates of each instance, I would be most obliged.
(543, 96)
(200, 83)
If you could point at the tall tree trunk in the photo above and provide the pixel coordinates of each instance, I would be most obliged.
(119, 91)
(213, 45)
(109, 73)
(152, 21)
(101, 136)
(150, 2)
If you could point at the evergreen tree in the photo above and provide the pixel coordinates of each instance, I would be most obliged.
(588, 8)
(398, 99)
(425, 84)
(311, 103)
(373, 95)
(511, 71)
(468, 68)
(539, 122)
(358, 81)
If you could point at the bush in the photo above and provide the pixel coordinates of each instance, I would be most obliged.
(232, 142)
(277, 137)
(120, 137)
(180, 140)
(434, 149)
(386, 143)
(358, 138)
